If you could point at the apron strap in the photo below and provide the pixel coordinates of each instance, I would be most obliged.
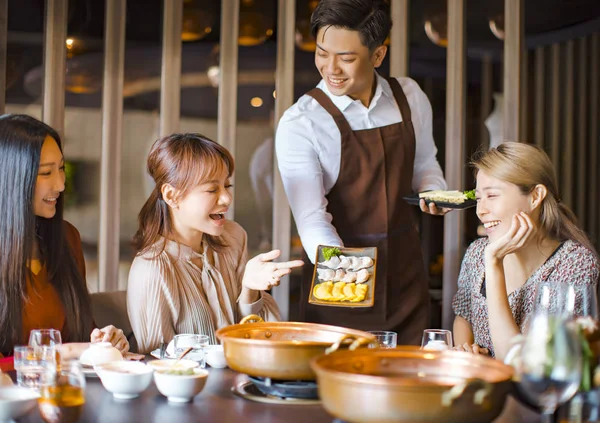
(400, 99)
(332, 109)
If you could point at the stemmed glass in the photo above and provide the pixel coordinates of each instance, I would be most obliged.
(63, 399)
(550, 358)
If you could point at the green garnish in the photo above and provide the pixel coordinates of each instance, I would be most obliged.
(179, 372)
(329, 252)
(470, 194)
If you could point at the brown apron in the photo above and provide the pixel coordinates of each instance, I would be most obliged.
(376, 171)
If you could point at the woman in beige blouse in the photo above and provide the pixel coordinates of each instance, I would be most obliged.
(191, 273)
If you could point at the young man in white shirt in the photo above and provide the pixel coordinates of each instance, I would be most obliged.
(348, 151)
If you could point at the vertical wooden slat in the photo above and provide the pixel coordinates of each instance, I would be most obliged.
(455, 145)
(523, 121)
(112, 125)
(594, 190)
(170, 78)
(555, 110)
(487, 88)
(228, 86)
(582, 140)
(399, 44)
(55, 34)
(567, 176)
(513, 50)
(284, 85)
(3, 52)
(540, 107)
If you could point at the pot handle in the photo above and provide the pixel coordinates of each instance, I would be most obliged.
(457, 391)
(336, 345)
(361, 343)
(252, 318)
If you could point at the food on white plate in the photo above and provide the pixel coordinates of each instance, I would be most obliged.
(453, 197)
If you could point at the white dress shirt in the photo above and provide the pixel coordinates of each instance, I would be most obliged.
(308, 148)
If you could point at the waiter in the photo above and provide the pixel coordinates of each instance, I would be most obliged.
(348, 151)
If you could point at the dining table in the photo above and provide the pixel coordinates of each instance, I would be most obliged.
(217, 403)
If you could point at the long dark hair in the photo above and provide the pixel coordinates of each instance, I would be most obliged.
(183, 161)
(371, 18)
(21, 139)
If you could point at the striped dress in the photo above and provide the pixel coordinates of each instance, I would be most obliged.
(180, 291)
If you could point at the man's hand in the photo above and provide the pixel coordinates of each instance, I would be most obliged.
(432, 208)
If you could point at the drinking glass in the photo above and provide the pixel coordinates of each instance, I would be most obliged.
(197, 342)
(549, 365)
(39, 337)
(436, 339)
(62, 400)
(35, 367)
(385, 339)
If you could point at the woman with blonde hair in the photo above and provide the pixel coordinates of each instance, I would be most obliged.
(191, 273)
(532, 238)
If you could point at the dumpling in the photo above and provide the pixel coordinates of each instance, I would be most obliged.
(349, 277)
(348, 291)
(332, 263)
(326, 274)
(365, 262)
(339, 275)
(337, 292)
(344, 262)
(355, 263)
(323, 290)
(362, 276)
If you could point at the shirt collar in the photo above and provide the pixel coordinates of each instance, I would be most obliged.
(342, 102)
(180, 251)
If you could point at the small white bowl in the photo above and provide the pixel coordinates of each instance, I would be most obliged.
(167, 364)
(100, 353)
(125, 379)
(16, 401)
(180, 388)
(215, 356)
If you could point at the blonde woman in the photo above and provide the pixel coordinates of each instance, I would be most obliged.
(532, 238)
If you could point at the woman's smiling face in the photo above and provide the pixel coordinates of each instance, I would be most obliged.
(497, 202)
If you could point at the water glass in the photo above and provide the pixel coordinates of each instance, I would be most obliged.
(197, 342)
(436, 339)
(35, 366)
(385, 339)
(39, 337)
(62, 400)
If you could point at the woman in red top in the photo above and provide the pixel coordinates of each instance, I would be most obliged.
(42, 270)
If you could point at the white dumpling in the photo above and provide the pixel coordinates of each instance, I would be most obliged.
(326, 274)
(354, 262)
(332, 263)
(344, 262)
(339, 275)
(365, 262)
(349, 277)
(362, 276)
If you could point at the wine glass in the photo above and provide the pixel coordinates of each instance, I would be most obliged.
(63, 399)
(550, 361)
(40, 337)
(436, 339)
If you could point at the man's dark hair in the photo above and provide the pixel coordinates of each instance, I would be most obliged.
(371, 18)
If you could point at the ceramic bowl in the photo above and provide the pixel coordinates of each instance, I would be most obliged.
(215, 357)
(16, 401)
(100, 353)
(180, 388)
(125, 379)
(167, 364)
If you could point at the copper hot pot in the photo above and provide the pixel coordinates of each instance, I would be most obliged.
(406, 384)
(283, 350)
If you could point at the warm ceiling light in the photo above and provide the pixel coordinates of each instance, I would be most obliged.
(497, 27)
(436, 29)
(197, 20)
(256, 102)
(304, 39)
(274, 94)
(69, 42)
(214, 75)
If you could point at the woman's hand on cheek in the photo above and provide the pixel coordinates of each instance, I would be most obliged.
(520, 232)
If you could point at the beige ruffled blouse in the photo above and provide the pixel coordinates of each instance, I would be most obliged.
(181, 291)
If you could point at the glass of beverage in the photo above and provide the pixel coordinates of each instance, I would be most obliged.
(35, 367)
(62, 400)
(197, 342)
(385, 339)
(436, 339)
(39, 337)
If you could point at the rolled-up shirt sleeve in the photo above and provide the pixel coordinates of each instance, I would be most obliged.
(302, 176)
(427, 172)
